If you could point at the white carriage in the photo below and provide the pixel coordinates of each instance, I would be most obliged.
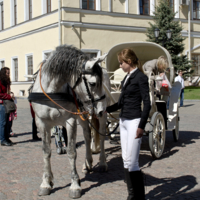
(160, 119)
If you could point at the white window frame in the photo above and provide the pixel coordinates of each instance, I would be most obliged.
(26, 64)
(12, 15)
(3, 59)
(152, 7)
(126, 6)
(176, 8)
(44, 6)
(44, 52)
(1, 1)
(98, 5)
(110, 6)
(13, 68)
(26, 10)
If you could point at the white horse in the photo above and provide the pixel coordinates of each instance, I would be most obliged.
(68, 66)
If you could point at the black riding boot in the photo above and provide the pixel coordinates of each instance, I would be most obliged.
(125, 175)
(137, 182)
(129, 185)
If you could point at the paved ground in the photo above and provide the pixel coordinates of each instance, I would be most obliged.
(175, 176)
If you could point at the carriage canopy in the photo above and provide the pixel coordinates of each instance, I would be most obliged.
(145, 51)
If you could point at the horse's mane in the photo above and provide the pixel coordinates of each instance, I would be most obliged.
(66, 61)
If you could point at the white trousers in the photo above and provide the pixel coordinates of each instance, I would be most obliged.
(130, 146)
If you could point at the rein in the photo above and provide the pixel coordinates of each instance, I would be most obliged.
(75, 113)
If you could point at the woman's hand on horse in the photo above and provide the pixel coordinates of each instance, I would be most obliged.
(139, 133)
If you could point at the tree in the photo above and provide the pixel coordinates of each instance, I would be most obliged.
(164, 20)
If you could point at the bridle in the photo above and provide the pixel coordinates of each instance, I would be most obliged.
(91, 98)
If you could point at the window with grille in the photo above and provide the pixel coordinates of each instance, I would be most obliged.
(15, 61)
(15, 12)
(2, 16)
(48, 6)
(196, 9)
(46, 55)
(2, 64)
(91, 55)
(30, 66)
(144, 7)
(196, 63)
(171, 4)
(89, 4)
(30, 9)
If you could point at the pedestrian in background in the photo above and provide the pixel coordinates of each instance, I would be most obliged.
(135, 89)
(4, 95)
(180, 79)
(13, 116)
(34, 127)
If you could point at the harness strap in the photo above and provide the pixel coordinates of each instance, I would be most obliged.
(84, 119)
(75, 113)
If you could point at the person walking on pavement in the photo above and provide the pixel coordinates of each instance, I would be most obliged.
(180, 79)
(4, 95)
(135, 89)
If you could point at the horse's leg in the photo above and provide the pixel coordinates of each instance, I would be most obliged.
(47, 180)
(75, 188)
(102, 157)
(87, 166)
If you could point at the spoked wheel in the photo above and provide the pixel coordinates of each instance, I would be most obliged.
(157, 136)
(176, 130)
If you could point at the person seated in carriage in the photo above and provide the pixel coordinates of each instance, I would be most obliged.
(160, 68)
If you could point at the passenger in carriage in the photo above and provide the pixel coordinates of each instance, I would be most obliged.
(159, 67)
(135, 89)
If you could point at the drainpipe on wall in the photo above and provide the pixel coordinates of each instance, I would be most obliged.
(59, 23)
(189, 33)
(189, 30)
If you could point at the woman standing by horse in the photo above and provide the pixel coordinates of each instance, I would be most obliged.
(135, 89)
(4, 117)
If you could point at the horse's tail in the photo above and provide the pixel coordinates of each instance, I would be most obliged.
(95, 139)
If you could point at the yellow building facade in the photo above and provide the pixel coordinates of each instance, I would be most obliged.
(31, 29)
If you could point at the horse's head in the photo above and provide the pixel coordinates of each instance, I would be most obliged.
(90, 88)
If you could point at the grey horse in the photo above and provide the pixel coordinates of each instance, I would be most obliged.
(68, 66)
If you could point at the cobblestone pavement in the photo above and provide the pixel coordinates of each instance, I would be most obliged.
(174, 176)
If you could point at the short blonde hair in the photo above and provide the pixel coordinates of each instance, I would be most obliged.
(162, 64)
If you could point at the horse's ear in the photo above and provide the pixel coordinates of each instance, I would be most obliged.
(90, 63)
(101, 58)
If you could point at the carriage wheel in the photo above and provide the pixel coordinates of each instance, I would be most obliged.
(157, 136)
(176, 130)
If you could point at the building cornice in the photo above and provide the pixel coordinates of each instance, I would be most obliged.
(92, 26)
(103, 26)
(29, 33)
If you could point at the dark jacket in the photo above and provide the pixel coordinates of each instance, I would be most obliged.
(133, 93)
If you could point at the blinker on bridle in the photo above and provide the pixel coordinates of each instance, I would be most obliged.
(82, 74)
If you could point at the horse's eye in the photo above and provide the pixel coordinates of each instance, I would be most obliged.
(92, 84)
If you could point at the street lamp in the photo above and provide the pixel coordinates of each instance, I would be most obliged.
(168, 33)
(156, 33)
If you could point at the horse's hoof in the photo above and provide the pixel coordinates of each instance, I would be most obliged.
(74, 194)
(44, 192)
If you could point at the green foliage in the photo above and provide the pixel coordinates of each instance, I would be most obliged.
(164, 20)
